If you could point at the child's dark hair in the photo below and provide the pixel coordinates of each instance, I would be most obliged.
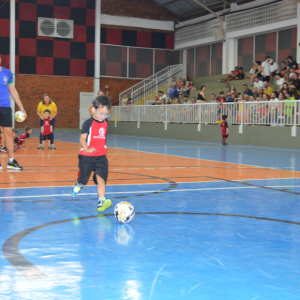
(48, 111)
(102, 101)
(15, 131)
(224, 117)
(27, 128)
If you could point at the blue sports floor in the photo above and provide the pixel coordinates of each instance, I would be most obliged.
(190, 239)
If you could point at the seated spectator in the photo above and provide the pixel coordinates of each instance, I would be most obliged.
(251, 98)
(192, 86)
(232, 90)
(221, 98)
(232, 76)
(179, 86)
(186, 100)
(186, 86)
(176, 101)
(201, 94)
(172, 89)
(247, 90)
(251, 72)
(292, 73)
(246, 97)
(257, 71)
(279, 81)
(274, 69)
(258, 86)
(291, 63)
(240, 75)
(298, 70)
(267, 89)
(213, 98)
(129, 102)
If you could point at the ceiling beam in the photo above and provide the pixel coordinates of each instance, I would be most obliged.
(168, 3)
(208, 9)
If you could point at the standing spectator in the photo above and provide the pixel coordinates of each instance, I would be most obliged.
(257, 71)
(279, 81)
(173, 88)
(213, 108)
(47, 104)
(292, 63)
(247, 90)
(7, 88)
(258, 86)
(265, 69)
(267, 89)
(273, 109)
(274, 69)
(201, 94)
(251, 72)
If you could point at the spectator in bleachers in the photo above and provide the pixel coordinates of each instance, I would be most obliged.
(240, 75)
(221, 97)
(265, 69)
(298, 70)
(251, 72)
(257, 71)
(172, 89)
(176, 101)
(274, 69)
(179, 87)
(186, 100)
(279, 81)
(267, 89)
(273, 107)
(194, 100)
(186, 85)
(292, 63)
(247, 90)
(230, 77)
(232, 90)
(258, 86)
(201, 95)
(292, 73)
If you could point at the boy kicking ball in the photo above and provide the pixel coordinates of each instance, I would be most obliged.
(92, 155)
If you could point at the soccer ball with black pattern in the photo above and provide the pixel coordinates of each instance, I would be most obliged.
(124, 212)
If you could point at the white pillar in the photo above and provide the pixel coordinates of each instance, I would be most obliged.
(230, 55)
(184, 62)
(97, 47)
(298, 33)
(12, 49)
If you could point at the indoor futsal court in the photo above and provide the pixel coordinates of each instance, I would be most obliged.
(211, 222)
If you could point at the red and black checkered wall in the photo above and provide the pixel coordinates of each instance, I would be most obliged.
(205, 60)
(266, 45)
(75, 57)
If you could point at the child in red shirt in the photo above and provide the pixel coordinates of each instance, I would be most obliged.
(24, 136)
(224, 129)
(47, 129)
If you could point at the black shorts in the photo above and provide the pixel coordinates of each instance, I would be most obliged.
(225, 136)
(5, 116)
(89, 164)
(47, 137)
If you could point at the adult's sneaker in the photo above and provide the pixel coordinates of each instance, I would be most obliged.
(14, 165)
(103, 204)
(40, 146)
(3, 149)
(53, 147)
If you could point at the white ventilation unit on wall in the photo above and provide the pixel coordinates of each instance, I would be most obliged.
(218, 33)
(56, 28)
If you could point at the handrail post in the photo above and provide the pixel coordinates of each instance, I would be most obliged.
(139, 118)
(166, 121)
(242, 119)
(294, 128)
(199, 124)
(116, 118)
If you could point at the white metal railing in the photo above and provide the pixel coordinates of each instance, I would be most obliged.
(151, 84)
(279, 113)
(259, 16)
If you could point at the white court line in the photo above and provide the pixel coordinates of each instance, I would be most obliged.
(139, 192)
(112, 185)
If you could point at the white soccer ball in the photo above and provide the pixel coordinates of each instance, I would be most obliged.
(19, 116)
(124, 212)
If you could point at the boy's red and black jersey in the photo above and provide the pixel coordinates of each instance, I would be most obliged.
(96, 137)
(47, 126)
(224, 127)
(23, 137)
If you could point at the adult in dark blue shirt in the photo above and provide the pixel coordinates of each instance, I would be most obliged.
(247, 91)
(7, 87)
(292, 63)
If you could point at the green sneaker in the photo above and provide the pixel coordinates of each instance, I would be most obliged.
(103, 204)
(76, 189)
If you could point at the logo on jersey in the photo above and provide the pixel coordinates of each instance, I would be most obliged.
(102, 132)
(5, 79)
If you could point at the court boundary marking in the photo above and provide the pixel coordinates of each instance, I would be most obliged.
(11, 252)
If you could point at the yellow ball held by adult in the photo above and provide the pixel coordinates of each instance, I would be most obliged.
(20, 116)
